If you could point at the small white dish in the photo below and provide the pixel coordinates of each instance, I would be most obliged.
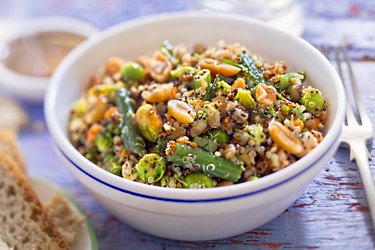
(85, 239)
(27, 86)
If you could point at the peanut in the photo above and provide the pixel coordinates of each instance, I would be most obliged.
(181, 111)
(159, 92)
(284, 138)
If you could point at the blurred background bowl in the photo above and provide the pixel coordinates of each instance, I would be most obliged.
(32, 49)
(180, 213)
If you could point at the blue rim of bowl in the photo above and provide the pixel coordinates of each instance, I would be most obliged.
(195, 200)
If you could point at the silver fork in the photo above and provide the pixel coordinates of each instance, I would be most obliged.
(356, 131)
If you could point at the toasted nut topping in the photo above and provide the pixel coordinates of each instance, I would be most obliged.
(218, 68)
(284, 138)
(158, 66)
(159, 92)
(181, 111)
(113, 65)
(265, 95)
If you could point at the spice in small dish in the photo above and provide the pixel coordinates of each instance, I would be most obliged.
(40, 52)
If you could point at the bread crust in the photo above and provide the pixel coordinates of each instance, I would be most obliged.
(38, 213)
(8, 144)
(64, 218)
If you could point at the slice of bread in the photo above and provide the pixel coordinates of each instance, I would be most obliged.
(62, 215)
(4, 246)
(9, 145)
(24, 224)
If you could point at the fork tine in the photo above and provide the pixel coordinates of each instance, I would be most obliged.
(361, 108)
(350, 117)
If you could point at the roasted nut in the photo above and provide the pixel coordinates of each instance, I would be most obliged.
(213, 115)
(113, 65)
(181, 111)
(265, 95)
(158, 66)
(159, 92)
(198, 127)
(284, 138)
(218, 68)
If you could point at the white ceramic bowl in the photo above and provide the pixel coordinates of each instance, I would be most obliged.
(186, 214)
(31, 87)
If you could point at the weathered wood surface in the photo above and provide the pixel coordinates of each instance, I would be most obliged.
(331, 214)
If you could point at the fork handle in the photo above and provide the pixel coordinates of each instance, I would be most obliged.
(360, 151)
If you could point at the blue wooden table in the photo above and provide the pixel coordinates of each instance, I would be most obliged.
(331, 214)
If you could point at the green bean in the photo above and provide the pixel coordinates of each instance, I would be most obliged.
(151, 168)
(218, 135)
(255, 75)
(230, 62)
(175, 176)
(198, 180)
(161, 145)
(285, 79)
(132, 140)
(208, 163)
(202, 78)
(212, 140)
(185, 70)
(313, 100)
(206, 143)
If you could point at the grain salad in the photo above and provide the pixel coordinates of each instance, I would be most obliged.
(200, 118)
